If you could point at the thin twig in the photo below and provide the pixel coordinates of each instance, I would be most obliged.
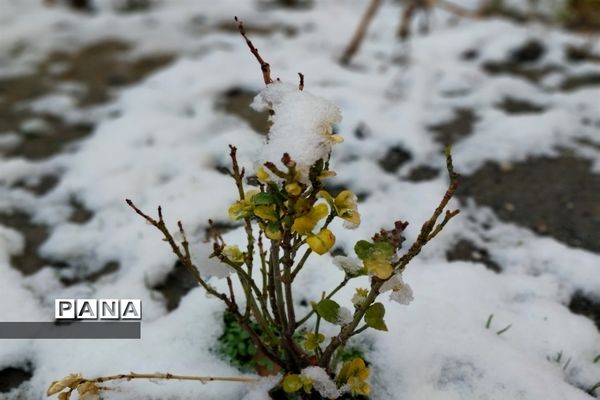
(360, 33)
(264, 66)
(185, 259)
(167, 376)
(424, 236)
(456, 9)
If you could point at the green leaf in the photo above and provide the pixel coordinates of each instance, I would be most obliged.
(328, 310)
(385, 249)
(363, 249)
(263, 199)
(374, 317)
(291, 383)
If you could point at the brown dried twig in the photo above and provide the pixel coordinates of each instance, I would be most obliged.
(183, 254)
(264, 66)
(90, 387)
(428, 231)
(360, 33)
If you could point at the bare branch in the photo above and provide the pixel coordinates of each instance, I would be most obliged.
(360, 33)
(264, 66)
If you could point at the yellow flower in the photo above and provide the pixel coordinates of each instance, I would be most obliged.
(234, 254)
(379, 266)
(293, 382)
(306, 223)
(322, 242)
(344, 205)
(272, 231)
(355, 373)
(336, 139)
(293, 189)
(266, 213)
(358, 386)
(326, 174)
(242, 208)
(262, 175)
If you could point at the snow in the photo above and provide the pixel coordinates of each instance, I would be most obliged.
(322, 382)
(161, 140)
(400, 291)
(302, 126)
(350, 265)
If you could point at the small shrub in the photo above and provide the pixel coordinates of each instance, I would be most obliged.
(286, 221)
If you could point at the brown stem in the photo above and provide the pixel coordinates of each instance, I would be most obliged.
(264, 66)
(168, 376)
(407, 15)
(185, 258)
(456, 9)
(426, 234)
(360, 33)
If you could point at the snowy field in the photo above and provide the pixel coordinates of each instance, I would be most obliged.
(142, 105)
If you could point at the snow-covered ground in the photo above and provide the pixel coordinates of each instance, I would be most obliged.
(162, 139)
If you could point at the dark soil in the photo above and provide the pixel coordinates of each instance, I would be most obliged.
(530, 52)
(529, 73)
(103, 66)
(291, 4)
(582, 305)
(362, 131)
(100, 68)
(39, 186)
(512, 105)
(577, 54)
(108, 269)
(395, 157)
(80, 214)
(422, 173)
(580, 82)
(177, 284)
(29, 261)
(11, 378)
(236, 101)
(465, 250)
(557, 197)
(60, 133)
(457, 128)
(521, 61)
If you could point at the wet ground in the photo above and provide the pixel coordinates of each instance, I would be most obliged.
(93, 72)
(90, 75)
(552, 196)
(557, 197)
(11, 378)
